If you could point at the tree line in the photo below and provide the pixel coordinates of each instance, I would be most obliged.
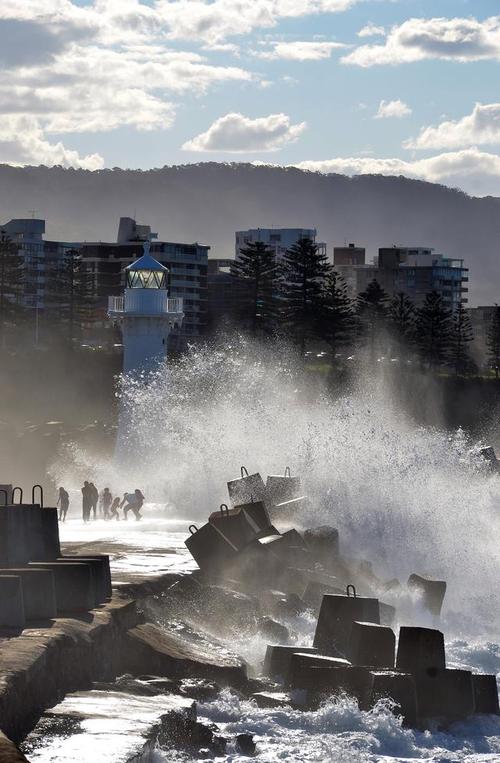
(304, 297)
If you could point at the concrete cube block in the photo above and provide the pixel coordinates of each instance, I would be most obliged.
(299, 674)
(400, 687)
(13, 542)
(336, 616)
(210, 548)
(11, 602)
(325, 681)
(281, 488)
(445, 695)
(387, 614)
(485, 694)
(278, 656)
(372, 645)
(431, 591)
(5, 493)
(420, 650)
(50, 534)
(39, 593)
(246, 489)
(100, 573)
(74, 584)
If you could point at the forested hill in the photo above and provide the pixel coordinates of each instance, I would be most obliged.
(208, 202)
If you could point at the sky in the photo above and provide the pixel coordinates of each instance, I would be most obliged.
(352, 86)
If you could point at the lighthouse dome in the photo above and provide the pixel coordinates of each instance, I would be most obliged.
(146, 272)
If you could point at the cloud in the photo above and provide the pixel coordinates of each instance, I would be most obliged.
(22, 142)
(458, 39)
(235, 133)
(300, 51)
(480, 127)
(475, 171)
(371, 30)
(392, 110)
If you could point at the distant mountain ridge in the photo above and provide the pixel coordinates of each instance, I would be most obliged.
(208, 202)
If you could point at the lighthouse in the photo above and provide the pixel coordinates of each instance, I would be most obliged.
(145, 313)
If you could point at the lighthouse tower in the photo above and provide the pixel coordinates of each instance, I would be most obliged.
(145, 313)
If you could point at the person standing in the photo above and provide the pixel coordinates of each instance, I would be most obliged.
(86, 499)
(113, 512)
(106, 500)
(94, 498)
(63, 503)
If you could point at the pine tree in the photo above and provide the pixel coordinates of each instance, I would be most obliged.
(372, 307)
(304, 272)
(11, 285)
(433, 330)
(401, 319)
(70, 297)
(338, 319)
(461, 336)
(256, 265)
(493, 341)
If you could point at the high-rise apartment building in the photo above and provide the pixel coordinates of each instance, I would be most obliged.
(279, 239)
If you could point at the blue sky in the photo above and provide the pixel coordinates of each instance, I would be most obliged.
(106, 83)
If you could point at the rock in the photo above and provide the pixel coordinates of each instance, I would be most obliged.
(180, 653)
(336, 616)
(9, 752)
(323, 542)
(277, 659)
(179, 731)
(420, 651)
(400, 687)
(273, 631)
(431, 591)
(372, 645)
(199, 689)
(445, 695)
(273, 699)
(485, 694)
(245, 744)
(281, 604)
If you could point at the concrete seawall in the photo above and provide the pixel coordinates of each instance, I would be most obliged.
(47, 660)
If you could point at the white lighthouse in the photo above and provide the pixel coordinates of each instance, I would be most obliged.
(145, 313)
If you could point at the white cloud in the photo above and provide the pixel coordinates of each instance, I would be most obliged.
(371, 30)
(22, 142)
(392, 110)
(300, 51)
(475, 171)
(480, 127)
(458, 39)
(235, 133)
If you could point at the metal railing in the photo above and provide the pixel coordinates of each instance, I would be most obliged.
(145, 302)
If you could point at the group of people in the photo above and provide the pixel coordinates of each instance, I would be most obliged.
(93, 501)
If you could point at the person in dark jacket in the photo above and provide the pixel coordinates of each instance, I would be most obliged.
(86, 501)
(63, 503)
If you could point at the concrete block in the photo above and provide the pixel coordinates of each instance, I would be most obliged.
(278, 656)
(50, 534)
(400, 687)
(300, 675)
(246, 489)
(485, 694)
(13, 543)
(5, 489)
(281, 488)
(445, 695)
(325, 681)
(11, 602)
(100, 574)
(273, 699)
(323, 541)
(431, 591)
(420, 651)
(39, 593)
(74, 583)
(372, 645)
(258, 517)
(336, 616)
(210, 548)
(291, 510)
(314, 592)
(235, 525)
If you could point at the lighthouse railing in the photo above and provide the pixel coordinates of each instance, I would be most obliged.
(145, 302)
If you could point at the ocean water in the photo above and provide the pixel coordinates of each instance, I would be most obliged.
(407, 498)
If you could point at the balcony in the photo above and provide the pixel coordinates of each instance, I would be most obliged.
(145, 302)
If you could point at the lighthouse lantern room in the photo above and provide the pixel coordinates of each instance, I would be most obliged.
(145, 313)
